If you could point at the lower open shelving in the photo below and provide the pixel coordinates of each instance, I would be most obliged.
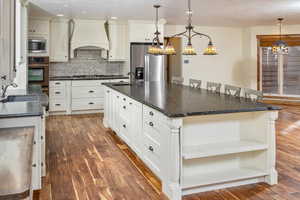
(221, 148)
(222, 176)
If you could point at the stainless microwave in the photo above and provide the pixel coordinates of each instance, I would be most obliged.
(37, 45)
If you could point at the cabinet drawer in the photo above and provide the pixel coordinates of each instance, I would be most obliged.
(57, 105)
(57, 93)
(152, 154)
(56, 84)
(87, 92)
(88, 104)
(150, 114)
(88, 83)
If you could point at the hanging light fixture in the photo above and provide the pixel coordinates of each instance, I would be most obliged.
(189, 33)
(155, 48)
(280, 47)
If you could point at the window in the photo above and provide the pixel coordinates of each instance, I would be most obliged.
(279, 74)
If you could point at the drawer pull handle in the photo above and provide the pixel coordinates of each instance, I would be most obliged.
(124, 107)
(34, 165)
(151, 124)
(151, 113)
(57, 83)
(124, 125)
(107, 91)
(130, 103)
(91, 91)
(118, 97)
(57, 104)
(57, 92)
(91, 103)
(124, 99)
(151, 148)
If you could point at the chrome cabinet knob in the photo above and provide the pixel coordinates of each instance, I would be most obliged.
(151, 148)
(151, 124)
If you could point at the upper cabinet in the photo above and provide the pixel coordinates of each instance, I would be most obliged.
(118, 34)
(7, 40)
(37, 27)
(143, 31)
(59, 40)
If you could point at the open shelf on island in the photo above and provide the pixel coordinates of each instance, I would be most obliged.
(221, 148)
(224, 176)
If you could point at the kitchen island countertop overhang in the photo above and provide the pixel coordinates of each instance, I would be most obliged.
(181, 101)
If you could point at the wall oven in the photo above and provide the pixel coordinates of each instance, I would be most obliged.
(38, 71)
(37, 45)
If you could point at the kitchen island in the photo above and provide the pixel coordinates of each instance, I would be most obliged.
(192, 139)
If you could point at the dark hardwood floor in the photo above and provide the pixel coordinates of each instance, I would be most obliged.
(86, 161)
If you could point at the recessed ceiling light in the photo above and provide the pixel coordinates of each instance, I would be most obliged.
(60, 15)
(114, 18)
(66, 5)
(83, 12)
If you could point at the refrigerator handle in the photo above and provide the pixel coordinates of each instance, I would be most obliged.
(147, 70)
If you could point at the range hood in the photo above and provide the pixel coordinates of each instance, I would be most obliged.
(89, 34)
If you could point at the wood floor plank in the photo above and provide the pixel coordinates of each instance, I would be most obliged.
(85, 161)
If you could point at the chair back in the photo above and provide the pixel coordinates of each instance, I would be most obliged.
(233, 90)
(195, 83)
(254, 95)
(214, 87)
(177, 80)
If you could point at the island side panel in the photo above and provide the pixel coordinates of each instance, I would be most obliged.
(228, 150)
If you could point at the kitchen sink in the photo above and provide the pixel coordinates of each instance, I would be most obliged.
(20, 98)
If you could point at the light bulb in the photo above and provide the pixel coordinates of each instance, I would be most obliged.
(189, 50)
(169, 50)
(210, 50)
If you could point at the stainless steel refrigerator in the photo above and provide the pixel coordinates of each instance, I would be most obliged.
(154, 66)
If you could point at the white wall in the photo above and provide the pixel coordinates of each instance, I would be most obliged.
(227, 67)
(250, 47)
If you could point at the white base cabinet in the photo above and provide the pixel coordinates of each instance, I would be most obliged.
(199, 153)
(77, 96)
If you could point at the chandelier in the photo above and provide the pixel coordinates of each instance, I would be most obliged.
(189, 33)
(280, 47)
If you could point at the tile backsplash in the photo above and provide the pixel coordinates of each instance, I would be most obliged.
(88, 64)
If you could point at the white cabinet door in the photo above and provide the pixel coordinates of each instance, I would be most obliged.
(7, 38)
(136, 115)
(118, 41)
(21, 33)
(59, 41)
(38, 27)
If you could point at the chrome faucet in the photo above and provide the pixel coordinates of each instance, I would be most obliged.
(4, 88)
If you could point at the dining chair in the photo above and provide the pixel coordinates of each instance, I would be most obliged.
(254, 95)
(194, 83)
(233, 90)
(16, 149)
(177, 80)
(214, 87)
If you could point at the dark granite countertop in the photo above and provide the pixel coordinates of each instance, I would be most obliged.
(181, 101)
(20, 109)
(26, 108)
(87, 77)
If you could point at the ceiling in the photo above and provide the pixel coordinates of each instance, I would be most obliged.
(205, 12)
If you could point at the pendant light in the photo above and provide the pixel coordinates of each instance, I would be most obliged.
(155, 48)
(280, 47)
(190, 33)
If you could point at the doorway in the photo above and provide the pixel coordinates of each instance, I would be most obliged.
(174, 62)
